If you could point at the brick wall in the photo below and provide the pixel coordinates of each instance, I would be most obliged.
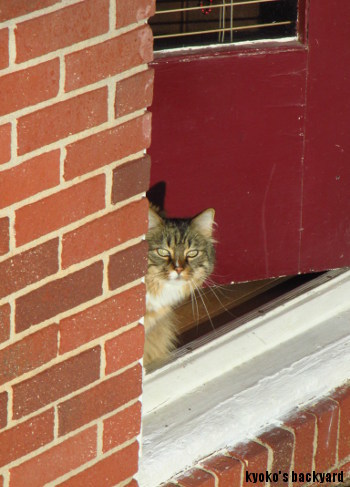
(314, 439)
(74, 87)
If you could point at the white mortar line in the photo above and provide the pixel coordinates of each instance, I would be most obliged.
(73, 311)
(105, 283)
(103, 170)
(14, 143)
(291, 468)
(338, 429)
(38, 13)
(6, 475)
(72, 48)
(89, 464)
(70, 139)
(70, 227)
(63, 154)
(213, 474)
(109, 186)
(8, 389)
(71, 270)
(12, 47)
(112, 15)
(99, 449)
(12, 304)
(111, 99)
(62, 439)
(63, 96)
(13, 423)
(269, 457)
(102, 257)
(12, 232)
(62, 75)
(55, 425)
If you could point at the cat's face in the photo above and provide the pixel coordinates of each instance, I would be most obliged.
(181, 251)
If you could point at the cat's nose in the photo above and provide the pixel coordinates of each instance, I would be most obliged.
(179, 269)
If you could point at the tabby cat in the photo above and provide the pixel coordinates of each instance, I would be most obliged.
(181, 256)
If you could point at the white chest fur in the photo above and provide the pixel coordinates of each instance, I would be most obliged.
(171, 294)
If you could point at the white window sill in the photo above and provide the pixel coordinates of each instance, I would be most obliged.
(232, 388)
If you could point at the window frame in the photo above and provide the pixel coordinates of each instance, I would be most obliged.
(211, 398)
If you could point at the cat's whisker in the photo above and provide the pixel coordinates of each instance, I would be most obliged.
(205, 307)
(221, 289)
(221, 303)
(194, 299)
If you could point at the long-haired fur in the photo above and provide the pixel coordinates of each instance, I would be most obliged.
(181, 256)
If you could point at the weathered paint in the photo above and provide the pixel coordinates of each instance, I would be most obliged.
(260, 134)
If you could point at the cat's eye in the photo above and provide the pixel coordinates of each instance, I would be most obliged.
(163, 252)
(192, 253)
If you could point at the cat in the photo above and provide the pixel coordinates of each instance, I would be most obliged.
(181, 257)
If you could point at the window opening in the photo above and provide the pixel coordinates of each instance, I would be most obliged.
(219, 305)
(194, 23)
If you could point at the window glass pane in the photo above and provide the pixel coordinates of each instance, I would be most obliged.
(186, 23)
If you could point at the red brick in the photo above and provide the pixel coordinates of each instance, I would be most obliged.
(16, 8)
(134, 11)
(303, 425)
(5, 143)
(62, 28)
(102, 318)
(60, 209)
(109, 58)
(28, 353)
(327, 413)
(254, 457)
(28, 267)
(131, 178)
(101, 399)
(4, 46)
(29, 178)
(133, 483)
(3, 409)
(4, 235)
(58, 381)
(109, 471)
(196, 478)
(124, 349)
(58, 296)
(134, 93)
(26, 437)
(56, 461)
(121, 427)
(104, 233)
(61, 120)
(29, 86)
(342, 396)
(228, 470)
(108, 146)
(5, 311)
(127, 265)
(282, 443)
(1, 481)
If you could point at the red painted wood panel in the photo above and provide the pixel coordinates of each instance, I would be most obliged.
(325, 240)
(227, 133)
(261, 135)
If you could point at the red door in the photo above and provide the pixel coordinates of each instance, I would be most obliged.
(261, 134)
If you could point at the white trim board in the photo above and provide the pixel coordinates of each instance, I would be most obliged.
(234, 387)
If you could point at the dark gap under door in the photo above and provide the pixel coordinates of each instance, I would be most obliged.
(226, 303)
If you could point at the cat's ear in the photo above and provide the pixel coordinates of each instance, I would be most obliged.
(204, 222)
(154, 220)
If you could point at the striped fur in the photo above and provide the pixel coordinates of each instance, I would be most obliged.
(181, 256)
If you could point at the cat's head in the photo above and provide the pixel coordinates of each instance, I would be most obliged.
(181, 250)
